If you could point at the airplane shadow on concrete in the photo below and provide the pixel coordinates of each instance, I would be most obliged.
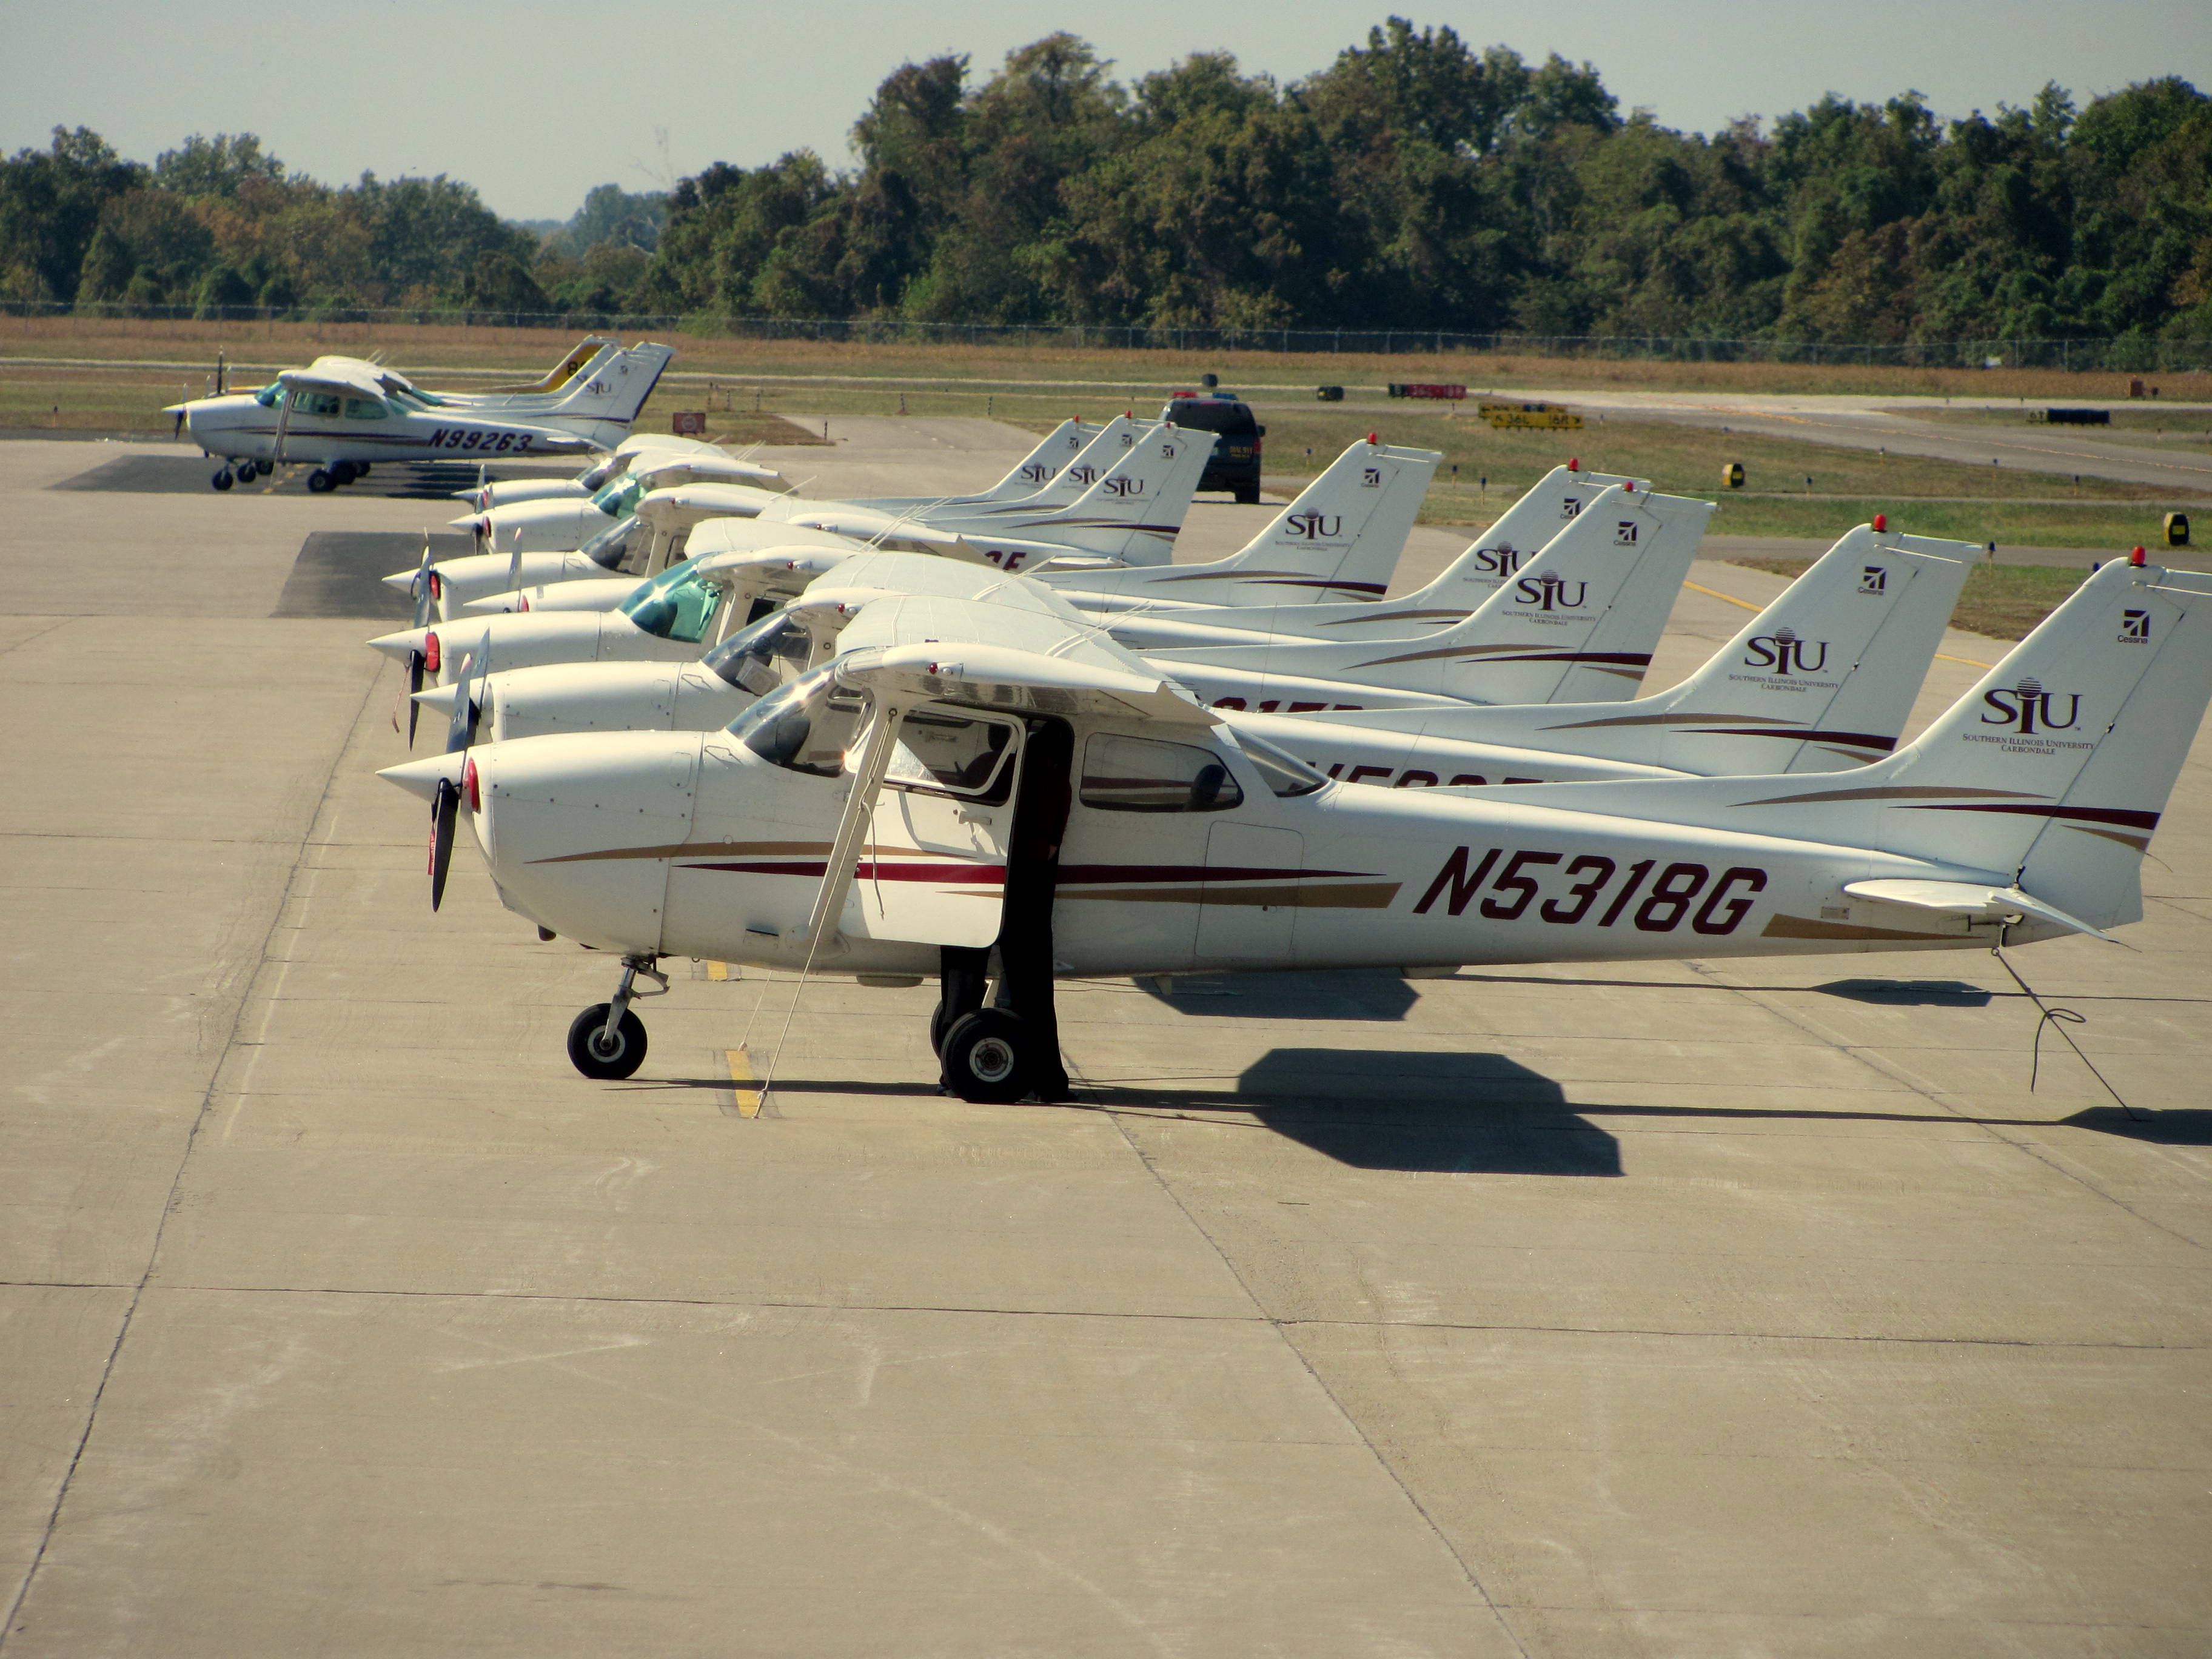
(1358, 994)
(1418, 1111)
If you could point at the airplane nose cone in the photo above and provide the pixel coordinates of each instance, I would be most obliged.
(403, 582)
(474, 523)
(420, 777)
(400, 646)
(440, 700)
(498, 604)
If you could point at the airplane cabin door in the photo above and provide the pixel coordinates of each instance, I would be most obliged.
(1249, 915)
(933, 867)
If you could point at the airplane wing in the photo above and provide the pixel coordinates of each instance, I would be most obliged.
(345, 376)
(1013, 680)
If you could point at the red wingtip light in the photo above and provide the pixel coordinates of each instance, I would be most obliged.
(431, 655)
(469, 784)
(1574, 464)
(2135, 557)
(1882, 521)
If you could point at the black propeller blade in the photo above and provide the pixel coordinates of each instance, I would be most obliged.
(445, 809)
(414, 684)
(468, 708)
(419, 589)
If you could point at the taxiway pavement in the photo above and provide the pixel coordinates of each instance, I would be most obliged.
(1681, 1309)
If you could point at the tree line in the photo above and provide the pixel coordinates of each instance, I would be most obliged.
(1415, 182)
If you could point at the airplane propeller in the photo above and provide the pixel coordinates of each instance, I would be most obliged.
(445, 812)
(420, 587)
(468, 708)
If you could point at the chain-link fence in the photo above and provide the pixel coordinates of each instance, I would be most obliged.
(2127, 353)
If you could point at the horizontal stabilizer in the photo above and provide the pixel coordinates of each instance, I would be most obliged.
(1971, 898)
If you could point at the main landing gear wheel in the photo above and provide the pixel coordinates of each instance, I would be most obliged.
(321, 481)
(221, 479)
(989, 1056)
(344, 472)
(595, 1056)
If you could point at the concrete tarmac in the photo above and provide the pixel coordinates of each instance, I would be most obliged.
(1679, 1309)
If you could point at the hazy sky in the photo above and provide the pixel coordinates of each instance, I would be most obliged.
(534, 103)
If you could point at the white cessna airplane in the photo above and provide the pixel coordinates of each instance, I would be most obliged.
(526, 541)
(1821, 679)
(342, 414)
(1018, 800)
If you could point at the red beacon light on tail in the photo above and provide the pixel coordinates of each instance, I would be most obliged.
(2136, 558)
(1371, 437)
(1574, 464)
(1881, 522)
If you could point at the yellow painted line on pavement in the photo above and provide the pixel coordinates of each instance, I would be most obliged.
(741, 1078)
(1715, 593)
(1969, 661)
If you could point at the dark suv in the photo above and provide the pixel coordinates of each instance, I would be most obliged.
(1235, 464)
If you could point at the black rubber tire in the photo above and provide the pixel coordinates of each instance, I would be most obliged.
(248, 471)
(584, 1051)
(1249, 498)
(222, 480)
(938, 1025)
(360, 469)
(343, 472)
(321, 481)
(988, 1056)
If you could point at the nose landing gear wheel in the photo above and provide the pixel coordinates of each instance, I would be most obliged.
(988, 1056)
(321, 481)
(222, 480)
(590, 1053)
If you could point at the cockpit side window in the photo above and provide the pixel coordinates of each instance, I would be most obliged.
(1138, 774)
(619, 498)
(366, 409)
(315, 403)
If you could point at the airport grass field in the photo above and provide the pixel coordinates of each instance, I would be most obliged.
(88, 377)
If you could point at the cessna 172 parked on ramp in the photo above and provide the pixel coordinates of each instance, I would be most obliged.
(344, 415)
(967, 791)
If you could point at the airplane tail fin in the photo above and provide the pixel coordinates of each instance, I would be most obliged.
(1821, 679)
(1519, 533)
(1037, 469)
(1134, 509)
(1578, 623)
(1338, 540)
(605, 408)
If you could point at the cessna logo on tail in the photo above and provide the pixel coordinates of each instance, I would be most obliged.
(1873, 580)
(1549, 593)
(1785, 653)
(1372, 478)
(1570, 505)
(2027, 708)
(1316, 526)
(1623, 533)
(2135, 628)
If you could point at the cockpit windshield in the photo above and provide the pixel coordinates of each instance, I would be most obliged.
(594, 478)
(610, 548)
(619, 499)
(806, 727)
(762, 658)
(678, 605)
(1286, 773)
(271, 396)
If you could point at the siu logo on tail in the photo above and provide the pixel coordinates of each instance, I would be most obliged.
(1316, 526)
(1785, 653)
(1500, 562)
(1548, 593)
(1037, 472)
(2029, 710)
(1125, 487)
(1085, 476)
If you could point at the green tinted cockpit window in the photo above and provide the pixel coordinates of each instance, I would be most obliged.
(680, 610)
(270, 396)
(619, 498)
